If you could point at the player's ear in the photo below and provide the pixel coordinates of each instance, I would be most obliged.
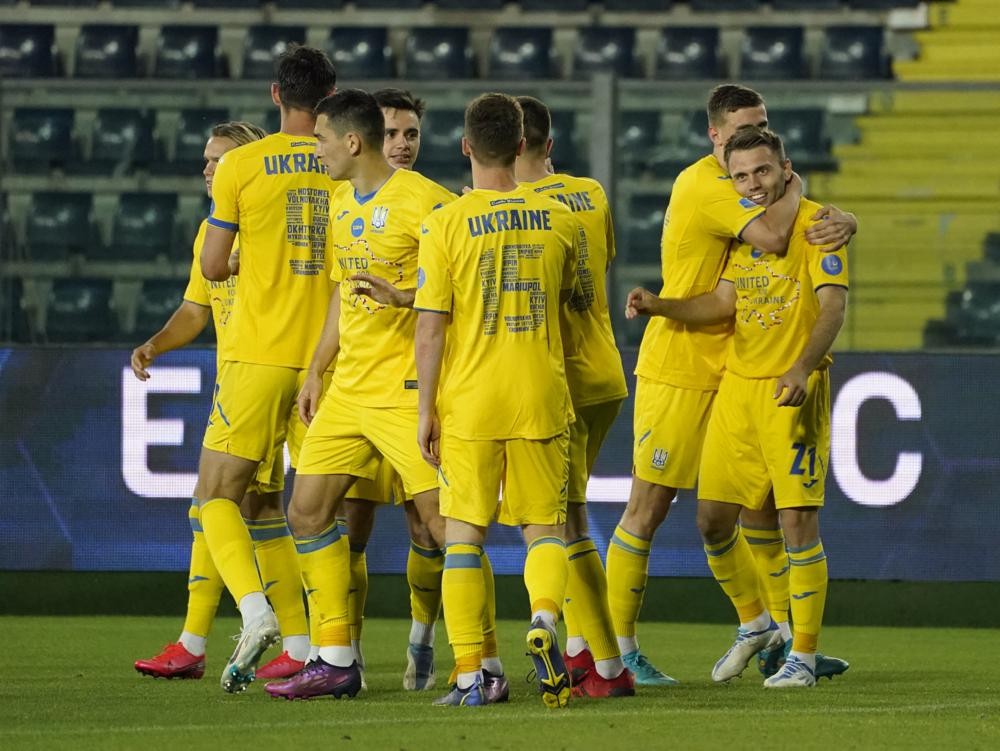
(275, 94)
(466, 151)
(520, 147)
(787, 167)
(548, 147)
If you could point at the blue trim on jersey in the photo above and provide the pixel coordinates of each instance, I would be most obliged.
(431, 310)
(830, 284)
(362, 200)
(229, 226)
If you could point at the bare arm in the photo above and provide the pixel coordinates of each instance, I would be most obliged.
(215, 253)
(181, 328)
(771, 231)
(323, 355)
(712, 307)
(429, 349)
(833, 230)
(832, 308)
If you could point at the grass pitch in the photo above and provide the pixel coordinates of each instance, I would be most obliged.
(69, 683)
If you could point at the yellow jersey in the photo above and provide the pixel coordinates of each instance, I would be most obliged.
(497, 261)
(705, 213)
(276, 193)
(219, 296)
(593, 365)
(379, 234)
(776, 302)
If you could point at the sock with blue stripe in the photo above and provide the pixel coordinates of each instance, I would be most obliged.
(424, 568)
(732, 565)
(232, 550)
(278, 564)
(628, 570)
(545, 573)
(204, 588)
(325, 561)
(587, 598)
(771, 560)
(464, 596)
(808, 581)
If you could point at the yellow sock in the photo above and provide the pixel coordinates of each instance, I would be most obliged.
(587, 599)
(545, 572)
(732, 565)
(771, 560)
(278, 564)
(232, 550)
(807, 582)
(628, 569)
(325, 562)
(464, 594)
(204, 583)
(358, 593)
(424, 567)
(490, 647)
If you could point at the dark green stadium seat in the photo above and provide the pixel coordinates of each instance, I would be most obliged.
(439, 53)
(143, 226)
(645, 225)
(772, 53)
(107, 52)
(41, 139)
(686, 52)
(854, 52)
(157, 301)
(188, 52)
(796, 5)
(883, 4)
(522, 53)
(264, 44)
(469, 4)
(803, 130)
(441, 145)
(59, 224)
(390, 4)
(311, 4)
(715, 6)
(360, 54)
(28, 51)
(193, 131)
(638, 6)
(638, 138)
(227, 4)
(565, 6)
(566, 156)
(605, 49)
(79, 310)
(161, 4)
(122, 140)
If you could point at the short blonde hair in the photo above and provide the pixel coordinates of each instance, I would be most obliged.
(239, 132)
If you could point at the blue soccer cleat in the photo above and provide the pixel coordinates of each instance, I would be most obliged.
(553, 679)
(419, 675)
(645, 673)
(473, 696)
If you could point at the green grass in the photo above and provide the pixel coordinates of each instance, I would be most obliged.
(69, 682)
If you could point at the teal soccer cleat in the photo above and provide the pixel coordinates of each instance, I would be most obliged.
(645, 673)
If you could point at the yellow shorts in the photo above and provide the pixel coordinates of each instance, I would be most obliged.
(531, 473)
(586, 437)
(350, 439)
(753, 445)
(387, 487)
(253, 414)
(669, 430)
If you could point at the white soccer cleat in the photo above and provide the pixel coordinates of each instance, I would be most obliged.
(419, 675)
(747, 644)
(793, 674)
(253, 642)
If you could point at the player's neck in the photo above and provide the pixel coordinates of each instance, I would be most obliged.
(500, 179)
(371, 175)
(719, 152)
(297, 122)
(530, 170)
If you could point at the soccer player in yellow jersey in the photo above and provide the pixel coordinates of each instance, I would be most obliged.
(370, 410)
(769, 432)
(494, 268)
(262, 509)
(597, 386)
(680, 365)
(275, 193)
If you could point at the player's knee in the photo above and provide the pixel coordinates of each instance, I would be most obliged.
(713, 529)
(800, 526)
(647, 509)
(576, 521)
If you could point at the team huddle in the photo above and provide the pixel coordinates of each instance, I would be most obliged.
(455, 356)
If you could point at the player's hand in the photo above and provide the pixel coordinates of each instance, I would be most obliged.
(378, 289)
(309, 396)
(640, 302)
(833, 230)
(234, 262)
(142, 358)
(793, 383)
(429, 438)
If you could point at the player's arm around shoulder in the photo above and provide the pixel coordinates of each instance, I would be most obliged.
(701, 310)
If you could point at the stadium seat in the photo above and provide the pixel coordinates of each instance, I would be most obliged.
(688, 52)
(794, 5)
(161, 4)
(66, 3)
(264, 44)
(604, 48)
(57, 225)
(107, 52)
(522, 53)
(193, 130)
(143, 226)
(566, 156)
(714, 6)
(978, 315)
(772, 52)
(645, 225)
(188, 52)
(14, 319)
(883, 4)
(41, 139)
(390, 4)
(79, 310)
(441, 145)
(157, 301)
(122, 140)
(438, 53)
(360, 53)
(470, 4)
(638, 138)
(565, 6)
(638, 6)
(228, 4)
(28, 51)
(804, 134)
(296, 4)
(854, 52)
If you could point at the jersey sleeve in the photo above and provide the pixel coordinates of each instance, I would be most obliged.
(434, 287)
(724, 213)
(196, 290)
(827, 268)
(601, 199)
(729, 272)
(225, 213)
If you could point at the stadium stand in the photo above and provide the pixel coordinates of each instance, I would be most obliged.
(263, 44)
(773, 52)
(605, 49)
(854, 52)
(360, 53)
(122, 141)
(638, 139)
(438, 53)
(58, 225)
(189, 52)
(143, 227)
(193, 130)
(522, 53)
(686, 52)
(104, 51)
(28, 51)
(645, 227)
(41, 139)
(79, 310)
(440, 144)
(156, 301)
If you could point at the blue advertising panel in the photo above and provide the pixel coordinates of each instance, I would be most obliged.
(97, 468)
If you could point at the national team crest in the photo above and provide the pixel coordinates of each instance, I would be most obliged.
(660, 458)
(380, 214)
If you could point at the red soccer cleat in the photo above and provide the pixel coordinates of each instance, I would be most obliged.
(579, 665)
(597, 687)
(280, 667)
(173, 662)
